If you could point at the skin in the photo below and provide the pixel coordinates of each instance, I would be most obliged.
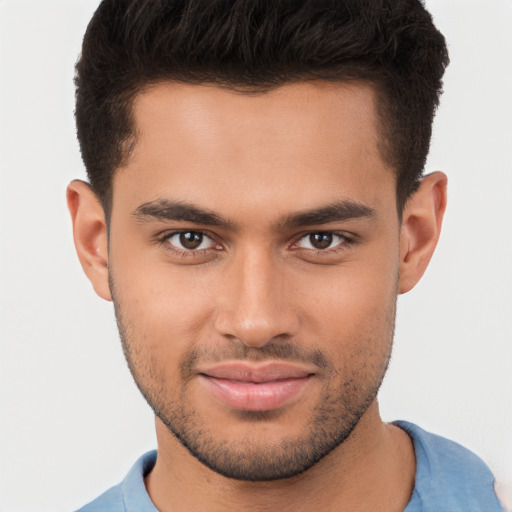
(258, 290)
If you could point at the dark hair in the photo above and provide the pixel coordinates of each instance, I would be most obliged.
(254, 46)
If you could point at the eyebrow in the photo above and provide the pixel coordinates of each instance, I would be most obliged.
(336, 212)
(164, 209)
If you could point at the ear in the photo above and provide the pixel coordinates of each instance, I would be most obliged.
(90, 234)
(421, 227)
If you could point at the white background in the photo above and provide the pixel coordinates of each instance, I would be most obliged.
(72, 421)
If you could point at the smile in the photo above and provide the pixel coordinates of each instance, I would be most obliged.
(255, 388)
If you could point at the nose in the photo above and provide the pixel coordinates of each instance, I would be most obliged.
(255, 302)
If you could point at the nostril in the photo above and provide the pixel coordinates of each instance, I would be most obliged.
(256, 331)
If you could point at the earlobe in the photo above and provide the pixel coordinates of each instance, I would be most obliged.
(420, 230)
(90, 235)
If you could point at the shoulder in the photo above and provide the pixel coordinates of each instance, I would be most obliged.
(448, 474)
(109, 501)
(130, 495)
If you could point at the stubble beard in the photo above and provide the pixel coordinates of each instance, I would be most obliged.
(332, 421)
(252, 460)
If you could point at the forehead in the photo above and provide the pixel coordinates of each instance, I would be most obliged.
(207, 144)
(314, 115)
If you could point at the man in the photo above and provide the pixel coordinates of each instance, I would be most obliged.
(256, 203)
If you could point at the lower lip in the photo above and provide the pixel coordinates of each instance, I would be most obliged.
(251, 396)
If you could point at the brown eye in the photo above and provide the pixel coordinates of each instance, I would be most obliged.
(191, 239)
(320, 240)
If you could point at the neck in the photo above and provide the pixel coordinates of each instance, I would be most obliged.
(373, 469)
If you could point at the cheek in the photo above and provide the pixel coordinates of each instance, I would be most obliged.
(351, 312)
(165, 310)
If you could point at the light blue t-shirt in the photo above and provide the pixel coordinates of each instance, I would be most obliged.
(449, 478)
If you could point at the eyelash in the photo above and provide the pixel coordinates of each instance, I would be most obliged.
(184, 253)
(346, 242)
(343, 245)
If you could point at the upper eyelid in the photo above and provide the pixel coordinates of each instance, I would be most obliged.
(348, 243)
(170, 233)
(348, 237)
(167, 235)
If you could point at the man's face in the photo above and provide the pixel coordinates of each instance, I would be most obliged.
(254, 249)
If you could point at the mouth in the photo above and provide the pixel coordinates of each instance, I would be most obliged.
(250, 387)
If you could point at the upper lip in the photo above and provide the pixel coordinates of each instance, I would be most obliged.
(263, 372)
